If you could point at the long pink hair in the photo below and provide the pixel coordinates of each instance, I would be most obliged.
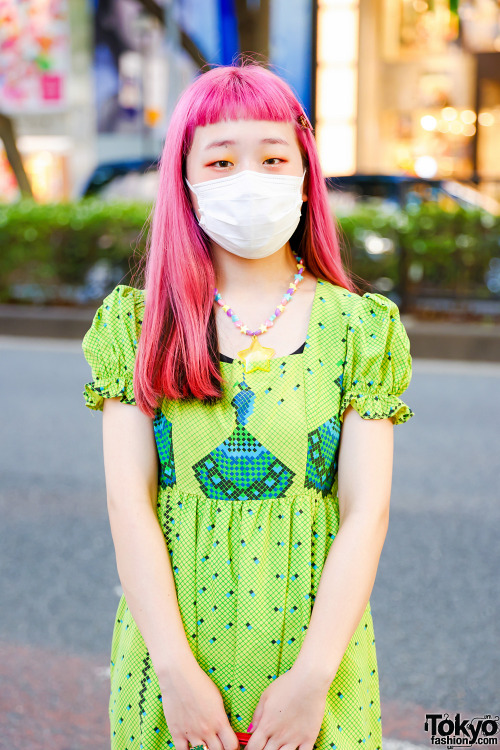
(177, 356)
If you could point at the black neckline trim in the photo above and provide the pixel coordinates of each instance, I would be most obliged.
(224, 358)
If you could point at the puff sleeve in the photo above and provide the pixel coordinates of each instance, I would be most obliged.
(378, 365)
(109, 346)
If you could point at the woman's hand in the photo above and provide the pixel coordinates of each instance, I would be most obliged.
(289, 713)
(194, 709)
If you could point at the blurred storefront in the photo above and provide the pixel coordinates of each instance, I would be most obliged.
(46, 92)
(394, 87)
(410, 87)
(139, 71)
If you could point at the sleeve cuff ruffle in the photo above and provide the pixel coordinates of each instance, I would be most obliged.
(95, 392)
(377, 406)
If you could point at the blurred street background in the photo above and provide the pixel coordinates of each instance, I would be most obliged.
(404, 97)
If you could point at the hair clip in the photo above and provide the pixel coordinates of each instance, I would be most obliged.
(304, 122)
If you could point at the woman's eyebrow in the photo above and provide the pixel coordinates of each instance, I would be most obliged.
(219, 144)
(275, 140)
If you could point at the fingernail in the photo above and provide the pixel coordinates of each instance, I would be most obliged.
(249, 727)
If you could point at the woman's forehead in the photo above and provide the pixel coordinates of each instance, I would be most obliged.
(253, 131)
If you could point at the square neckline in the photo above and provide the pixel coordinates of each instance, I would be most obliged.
(297, 356)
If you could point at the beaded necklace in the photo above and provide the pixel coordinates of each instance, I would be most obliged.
(257, 357)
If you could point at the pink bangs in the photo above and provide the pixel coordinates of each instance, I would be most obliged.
(248, 92)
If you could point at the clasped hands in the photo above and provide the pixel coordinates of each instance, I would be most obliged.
(289, 713)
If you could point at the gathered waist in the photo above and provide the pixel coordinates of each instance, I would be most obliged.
(290, 497)
(176, 506)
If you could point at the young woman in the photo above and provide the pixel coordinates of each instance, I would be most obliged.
(248, 490)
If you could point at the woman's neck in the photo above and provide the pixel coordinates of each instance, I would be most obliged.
(243, 279)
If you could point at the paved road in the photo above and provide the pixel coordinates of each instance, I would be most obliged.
(435, 602)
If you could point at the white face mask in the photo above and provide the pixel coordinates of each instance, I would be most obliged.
(250, 214)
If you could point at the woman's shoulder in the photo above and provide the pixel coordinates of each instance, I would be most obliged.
(369, 317)
(128, 298)
(371, 323)
(353, 304)
(378, 363)
(121, 311)
(110, 345)
(116, 324)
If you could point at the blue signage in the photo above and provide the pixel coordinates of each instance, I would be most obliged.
(213, 26)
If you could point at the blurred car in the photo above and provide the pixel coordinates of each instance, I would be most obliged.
(404, 189)
(127, 180)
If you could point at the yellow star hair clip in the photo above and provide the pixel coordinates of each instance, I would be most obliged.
(256, 357)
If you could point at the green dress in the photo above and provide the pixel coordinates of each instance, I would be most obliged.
(248, 505)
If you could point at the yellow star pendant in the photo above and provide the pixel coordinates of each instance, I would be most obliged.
(256, 357)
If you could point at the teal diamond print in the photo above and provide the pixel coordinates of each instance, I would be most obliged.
(241, 468)
(163, 436)
(322, 453)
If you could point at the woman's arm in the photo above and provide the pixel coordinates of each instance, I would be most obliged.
(144, 568)
(348, 576)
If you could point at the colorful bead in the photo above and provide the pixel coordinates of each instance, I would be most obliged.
(281, 307)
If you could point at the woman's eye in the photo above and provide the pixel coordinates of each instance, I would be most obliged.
(221, 162)
(274, 158)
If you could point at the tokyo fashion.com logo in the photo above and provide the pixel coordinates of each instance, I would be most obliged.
(460, 732)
